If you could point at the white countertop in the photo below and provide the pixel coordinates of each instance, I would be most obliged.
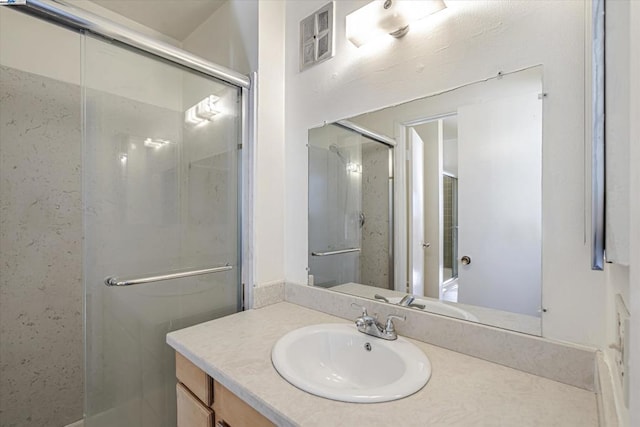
(463, 391)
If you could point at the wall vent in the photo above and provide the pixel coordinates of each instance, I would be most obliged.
(316, 37)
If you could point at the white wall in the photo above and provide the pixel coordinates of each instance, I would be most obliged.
(617, 131)
(19, 32)
(269, 224)
(450, 161)
(229, 37)
(621, 193)
(103, 12)
(430, 156)
(469, 41)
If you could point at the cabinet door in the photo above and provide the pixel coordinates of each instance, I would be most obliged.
(195, 379)
(234, 412)
(191, 412)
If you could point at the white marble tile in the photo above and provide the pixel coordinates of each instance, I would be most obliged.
(563, 362)
(41, 293)
(374, 255)
(463, 391)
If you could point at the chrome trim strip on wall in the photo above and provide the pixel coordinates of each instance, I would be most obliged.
(597, 148)
(83, 20)
(137, 280)
(366, 132)
(341, 251)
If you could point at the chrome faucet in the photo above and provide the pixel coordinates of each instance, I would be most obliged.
(408, 301)
(369, 325)
(380, 297)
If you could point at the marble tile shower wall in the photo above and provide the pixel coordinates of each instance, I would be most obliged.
(40, 251)
(374, 257)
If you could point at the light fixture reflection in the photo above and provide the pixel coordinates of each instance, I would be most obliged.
(382, 17)
(354, 167)
(203, 112)
(156, 143)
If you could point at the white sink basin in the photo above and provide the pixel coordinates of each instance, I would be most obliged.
(438, 307)
(338, 362)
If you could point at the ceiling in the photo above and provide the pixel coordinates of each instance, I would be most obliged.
(174, 18)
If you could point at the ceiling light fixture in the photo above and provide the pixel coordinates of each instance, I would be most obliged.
(393, 17)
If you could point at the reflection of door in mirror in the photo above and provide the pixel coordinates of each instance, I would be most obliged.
(499, 154)
(433, 207)
(350, 209)
(486, 160)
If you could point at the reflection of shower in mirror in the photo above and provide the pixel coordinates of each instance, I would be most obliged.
(350, 206)
(335, 149)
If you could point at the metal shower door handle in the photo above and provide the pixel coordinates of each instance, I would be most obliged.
(137, 280)
(465, 260)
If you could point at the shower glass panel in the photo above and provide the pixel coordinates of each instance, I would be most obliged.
(160, 187)
(349, 209)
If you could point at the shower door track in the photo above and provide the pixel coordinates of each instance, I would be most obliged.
(78, 19)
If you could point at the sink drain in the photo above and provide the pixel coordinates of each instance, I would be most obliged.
(367, 346)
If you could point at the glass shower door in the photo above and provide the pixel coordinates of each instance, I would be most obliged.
(160, 187)
(350, 190)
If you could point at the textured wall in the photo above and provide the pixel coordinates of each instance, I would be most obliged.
(40, 251)
(374, 257)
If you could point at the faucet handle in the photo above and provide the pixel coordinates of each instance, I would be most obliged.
(389, 326)
(380, 297)
(361, 307)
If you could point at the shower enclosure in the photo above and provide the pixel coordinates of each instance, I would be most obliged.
(350, 208)
(160, 195)
(121, 200)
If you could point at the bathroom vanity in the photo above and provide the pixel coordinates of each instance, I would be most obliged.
(231, 357)
(204, 402)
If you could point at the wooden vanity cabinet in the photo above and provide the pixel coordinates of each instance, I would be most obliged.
(203, 402)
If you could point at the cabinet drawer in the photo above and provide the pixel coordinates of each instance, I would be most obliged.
(191, 412)
(233, 411)
(195, 379)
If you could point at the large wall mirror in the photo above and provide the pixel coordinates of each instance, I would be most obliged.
(436, 204)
